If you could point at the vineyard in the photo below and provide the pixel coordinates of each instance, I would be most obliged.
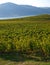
(29, 35)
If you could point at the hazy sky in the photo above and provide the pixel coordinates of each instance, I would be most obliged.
(38, 3)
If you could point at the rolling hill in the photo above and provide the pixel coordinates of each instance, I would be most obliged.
(14, 10)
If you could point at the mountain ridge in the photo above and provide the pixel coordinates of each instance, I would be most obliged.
(13, 10)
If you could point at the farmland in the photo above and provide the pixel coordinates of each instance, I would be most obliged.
(25, 40)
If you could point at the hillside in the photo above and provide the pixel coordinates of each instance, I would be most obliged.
(43, 17)
(14, 10)
(37, 18)
(25, 41)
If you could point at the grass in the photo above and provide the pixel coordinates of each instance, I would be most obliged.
(25, 41)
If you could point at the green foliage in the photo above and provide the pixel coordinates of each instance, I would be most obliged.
(22, 35)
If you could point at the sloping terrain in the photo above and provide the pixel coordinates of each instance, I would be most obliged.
(14, 10)
(25, 41)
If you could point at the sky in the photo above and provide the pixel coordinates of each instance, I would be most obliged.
(37, 3)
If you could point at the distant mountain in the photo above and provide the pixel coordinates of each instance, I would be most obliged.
(14, 10)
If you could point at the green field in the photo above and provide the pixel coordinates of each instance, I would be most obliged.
(25, 41)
